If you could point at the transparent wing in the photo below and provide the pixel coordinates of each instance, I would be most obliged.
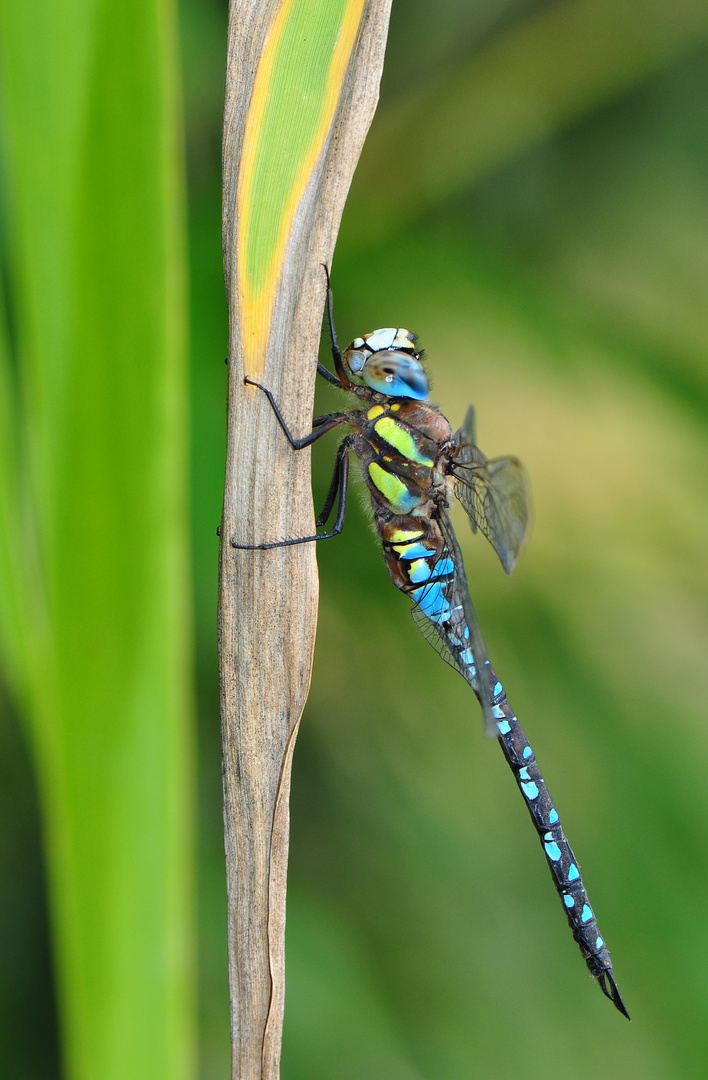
(467, 434)
(494, 493)
(445, 616)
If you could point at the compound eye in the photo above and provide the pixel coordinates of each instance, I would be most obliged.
(354, 359)
(396, 374)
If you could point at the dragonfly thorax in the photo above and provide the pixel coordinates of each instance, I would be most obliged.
(388, 362)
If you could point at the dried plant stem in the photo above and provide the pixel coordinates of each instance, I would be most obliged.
(268, 599)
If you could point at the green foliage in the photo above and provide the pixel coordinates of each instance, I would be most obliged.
(94, 567)
(292, 115)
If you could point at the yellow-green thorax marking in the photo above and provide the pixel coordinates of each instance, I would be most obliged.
(401, 439)
(393, 489)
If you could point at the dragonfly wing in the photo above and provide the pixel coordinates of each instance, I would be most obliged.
(444, 613)
(466, 435)
(495, 495)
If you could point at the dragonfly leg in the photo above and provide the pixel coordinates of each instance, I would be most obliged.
(322, 424)
(339, 484)
(342, 380)
(326, 374)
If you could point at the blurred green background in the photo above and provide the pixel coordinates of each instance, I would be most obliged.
(533, 202)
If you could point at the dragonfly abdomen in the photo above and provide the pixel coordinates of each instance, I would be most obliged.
(559, 854)
(419, 566)
(427, 566)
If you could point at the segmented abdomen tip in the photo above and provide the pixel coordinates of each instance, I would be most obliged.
(612, 992)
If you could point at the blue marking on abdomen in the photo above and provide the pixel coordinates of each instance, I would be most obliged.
(432, 601)
(564, 870)
(444, 567)
(416, 551)
(552, 850)
(419, 571)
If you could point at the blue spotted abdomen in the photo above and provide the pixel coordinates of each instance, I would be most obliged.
(419, 563)
(559, 854)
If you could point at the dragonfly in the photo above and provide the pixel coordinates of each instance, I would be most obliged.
(414, 466)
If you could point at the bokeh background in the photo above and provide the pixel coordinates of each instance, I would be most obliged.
(533, 202)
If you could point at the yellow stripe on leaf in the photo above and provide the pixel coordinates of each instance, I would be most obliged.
(295, 96)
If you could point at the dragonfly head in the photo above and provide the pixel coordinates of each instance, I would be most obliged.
(388, 362)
